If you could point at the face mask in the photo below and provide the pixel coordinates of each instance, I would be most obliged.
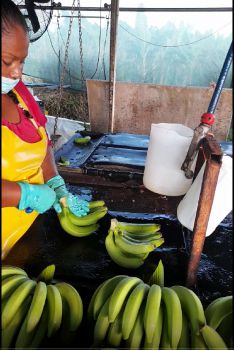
(8, 84)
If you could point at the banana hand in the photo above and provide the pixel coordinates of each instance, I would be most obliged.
(124, 260)
(89, 219)
(70, 228)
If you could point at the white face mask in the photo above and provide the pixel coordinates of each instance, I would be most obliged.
(8, 84)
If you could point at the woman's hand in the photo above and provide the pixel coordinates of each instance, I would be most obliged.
(37, 197)
(78, 206)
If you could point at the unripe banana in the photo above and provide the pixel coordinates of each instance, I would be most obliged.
(10, 283)
(119, 295)
(114, 335)
(9, 333)
(90, 218)
(96, 204)
(128, 246)
(212, 338)
(64, 161)
(157, 332)
(47, 274)
(24, 338)
(132, 308)
(147, 237)
(54, 304)
(225, 329)
(102, 324)
(75, 305)
(72, 229)
(135, 338)
(218, 310)
(104, 292)
(151, 313)
(174, 315)
(197, 341)
(165, 340)
(40, 332)
(158, 275)
(91, 303)
(155, 239)
(8, 270)
(135, 228)
(184, 342)
(192, 307)
(82, 140)
(15, 300)
(37, 306)
(131, 262)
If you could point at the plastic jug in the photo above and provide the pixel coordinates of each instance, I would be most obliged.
(222, 203)
(168, 146)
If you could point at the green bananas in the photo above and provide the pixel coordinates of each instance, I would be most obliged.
(140, 229)
(127, 313)
(33, 310)
(82, 140)
(82, 226)
(218, 310)
(130, 244)
(63, 161)
(47, 274)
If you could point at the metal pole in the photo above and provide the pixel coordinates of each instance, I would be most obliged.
(209, 182)
(112, 71)
(222, 77)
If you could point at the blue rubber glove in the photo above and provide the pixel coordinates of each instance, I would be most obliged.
(77, 206)
(37, 197)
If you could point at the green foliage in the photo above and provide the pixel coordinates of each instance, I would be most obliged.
(197, 64)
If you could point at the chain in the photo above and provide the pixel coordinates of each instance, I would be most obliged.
(81, 46)
(82, 73)
(63, 71)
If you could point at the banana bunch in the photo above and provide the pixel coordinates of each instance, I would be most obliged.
(129, 313)
(33, 309)
(125, 312)
(85, 225)
(129, 244)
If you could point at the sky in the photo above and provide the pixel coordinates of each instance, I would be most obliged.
(202, 21)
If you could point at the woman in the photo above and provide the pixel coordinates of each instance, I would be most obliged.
(30, 180)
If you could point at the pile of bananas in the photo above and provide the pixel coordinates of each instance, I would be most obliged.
(35, 309)
(128, 313)
(129, 244)
(85, 225)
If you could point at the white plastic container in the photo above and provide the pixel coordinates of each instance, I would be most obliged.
(222, 203)
(168, 147)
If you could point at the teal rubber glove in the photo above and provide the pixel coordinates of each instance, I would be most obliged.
(77, 206)
(37, 197)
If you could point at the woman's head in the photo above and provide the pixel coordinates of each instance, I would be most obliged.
(15, 40)
(11, 16)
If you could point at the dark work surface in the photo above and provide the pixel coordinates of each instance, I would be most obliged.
(85, 264)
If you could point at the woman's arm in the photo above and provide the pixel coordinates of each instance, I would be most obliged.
(49, 167)
(11, 193)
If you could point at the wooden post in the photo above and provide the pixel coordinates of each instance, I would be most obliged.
(213, 155)
(112, 71)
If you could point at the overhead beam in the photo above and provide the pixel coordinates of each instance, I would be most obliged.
(134, 9)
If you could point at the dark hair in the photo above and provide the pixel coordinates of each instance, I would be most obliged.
(12, 16)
